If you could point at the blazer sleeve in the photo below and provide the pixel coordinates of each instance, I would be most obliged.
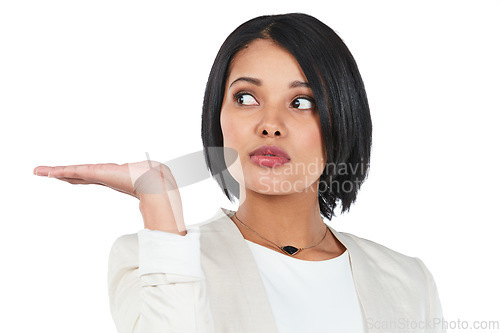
(150, 291)
(434, 312)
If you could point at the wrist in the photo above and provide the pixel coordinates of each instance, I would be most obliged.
(157, 213)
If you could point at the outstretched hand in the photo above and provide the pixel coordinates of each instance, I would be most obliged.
(149, 181)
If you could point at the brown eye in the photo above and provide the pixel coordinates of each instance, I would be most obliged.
(302, 103)
(246, 99)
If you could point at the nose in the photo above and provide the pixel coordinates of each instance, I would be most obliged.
(276, 133)
(271, 125)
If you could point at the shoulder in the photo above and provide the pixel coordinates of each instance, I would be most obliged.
(124, 252)
(388, 265)
(125, 243)
(372, 249)
(386, 277)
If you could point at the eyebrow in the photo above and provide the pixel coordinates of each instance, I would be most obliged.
(257, 82)
(251, 80)
(296, 84)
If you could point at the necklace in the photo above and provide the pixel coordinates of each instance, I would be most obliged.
(288, 249)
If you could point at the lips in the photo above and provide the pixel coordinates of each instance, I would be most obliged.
(272, 151)
(269, 156)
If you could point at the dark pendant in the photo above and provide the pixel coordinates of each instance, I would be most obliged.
(290, 250)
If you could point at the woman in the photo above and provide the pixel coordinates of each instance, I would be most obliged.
(285, 94)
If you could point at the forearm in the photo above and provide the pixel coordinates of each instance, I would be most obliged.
(156, 284)
(162, 212)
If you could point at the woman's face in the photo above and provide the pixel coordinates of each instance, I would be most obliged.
(267, 101)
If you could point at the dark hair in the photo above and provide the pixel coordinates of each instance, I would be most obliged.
(339, 94)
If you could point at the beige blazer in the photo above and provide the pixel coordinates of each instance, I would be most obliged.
(397, 293)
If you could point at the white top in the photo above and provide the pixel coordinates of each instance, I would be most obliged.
(305, 296)
(309, 296)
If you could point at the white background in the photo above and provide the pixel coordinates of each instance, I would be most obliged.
(107, 81)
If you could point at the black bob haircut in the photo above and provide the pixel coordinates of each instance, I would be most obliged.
(338, 90)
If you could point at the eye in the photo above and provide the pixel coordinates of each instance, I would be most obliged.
(245, 99)
(302, 103)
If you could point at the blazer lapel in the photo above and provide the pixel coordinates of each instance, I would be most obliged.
(376, 287)
(237, 296)
(238, 300)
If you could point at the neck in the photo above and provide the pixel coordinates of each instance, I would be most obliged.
(291, 219)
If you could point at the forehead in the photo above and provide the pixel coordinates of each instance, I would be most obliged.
(266, 60)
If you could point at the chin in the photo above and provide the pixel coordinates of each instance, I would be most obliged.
(275, 186)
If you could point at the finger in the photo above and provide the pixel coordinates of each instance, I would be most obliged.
(93, 173)
(69, 171)
(42, 170)
(111, 175)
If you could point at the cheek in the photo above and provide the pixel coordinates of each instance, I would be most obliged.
(320, 143)
(235, 130)
(230, 140)
(227, 127)
(313, 159)
(314, 140)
